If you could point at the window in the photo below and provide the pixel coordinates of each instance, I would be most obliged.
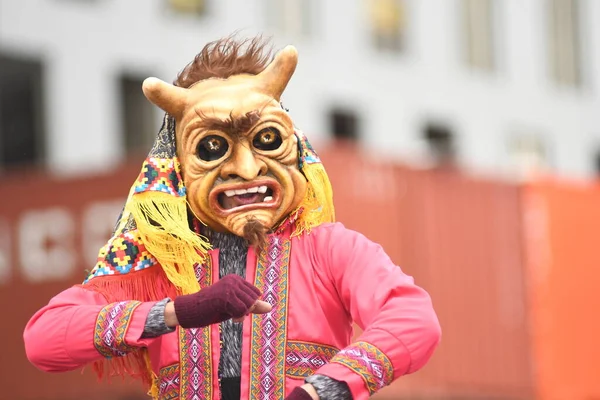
(478, 31)
(343, 124)
(564, 51)
(290, 17)
(597, 163)
(388, 24)
(440, 141)
(139, 116)
(529, 154)
(21, 112)
(190, 7)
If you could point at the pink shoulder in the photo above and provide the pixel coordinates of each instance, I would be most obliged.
(334, 238)
(328, 229)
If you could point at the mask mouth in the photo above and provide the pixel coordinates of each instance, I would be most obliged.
(229, 199)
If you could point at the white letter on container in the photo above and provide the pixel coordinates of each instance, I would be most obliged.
(46, 245)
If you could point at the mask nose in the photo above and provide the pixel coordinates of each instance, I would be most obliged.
(243, 164)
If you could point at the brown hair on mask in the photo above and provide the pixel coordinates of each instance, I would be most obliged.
(225, 57)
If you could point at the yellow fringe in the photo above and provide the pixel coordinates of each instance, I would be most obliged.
(162, 221)
(153, 392)
(318, 202)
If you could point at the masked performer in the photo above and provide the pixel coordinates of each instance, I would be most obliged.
(226, 276)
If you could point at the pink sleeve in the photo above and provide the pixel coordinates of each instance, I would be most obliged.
(78, 327)
(400, 327)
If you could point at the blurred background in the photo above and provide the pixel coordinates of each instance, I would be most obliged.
(463, 135)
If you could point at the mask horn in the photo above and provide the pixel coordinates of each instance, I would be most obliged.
(276, 76)
(171, 99)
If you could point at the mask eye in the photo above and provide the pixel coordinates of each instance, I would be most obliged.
(212, 148)
(267, 139)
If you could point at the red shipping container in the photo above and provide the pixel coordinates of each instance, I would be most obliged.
(562, 226)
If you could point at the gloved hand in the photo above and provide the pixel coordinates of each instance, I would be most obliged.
(299, 394)
(230, 297)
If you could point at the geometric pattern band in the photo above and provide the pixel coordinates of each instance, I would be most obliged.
(160, 175)
(268, 340)
(303, 359)
(306, 153)
(168, 383)
(111, 327)
(369, 362)
(196, 369)
(122, 254)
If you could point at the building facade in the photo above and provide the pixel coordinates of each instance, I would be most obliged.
(506, 87)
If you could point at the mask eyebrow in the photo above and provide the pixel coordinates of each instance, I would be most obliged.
(232, 126)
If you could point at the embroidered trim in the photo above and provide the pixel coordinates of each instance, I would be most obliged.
(369, 362)
(112, 324)
(121, 255)
(168, 382)
(267, 357)
(303, 358)
(195, 352)
(160, 175)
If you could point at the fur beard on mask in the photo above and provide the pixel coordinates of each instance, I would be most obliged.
(255, 234)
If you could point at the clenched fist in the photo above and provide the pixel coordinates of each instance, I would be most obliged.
(230, 297)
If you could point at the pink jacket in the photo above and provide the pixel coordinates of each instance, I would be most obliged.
(319, 284)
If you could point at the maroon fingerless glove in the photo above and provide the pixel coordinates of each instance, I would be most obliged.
(230, 297)
(299, 394)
